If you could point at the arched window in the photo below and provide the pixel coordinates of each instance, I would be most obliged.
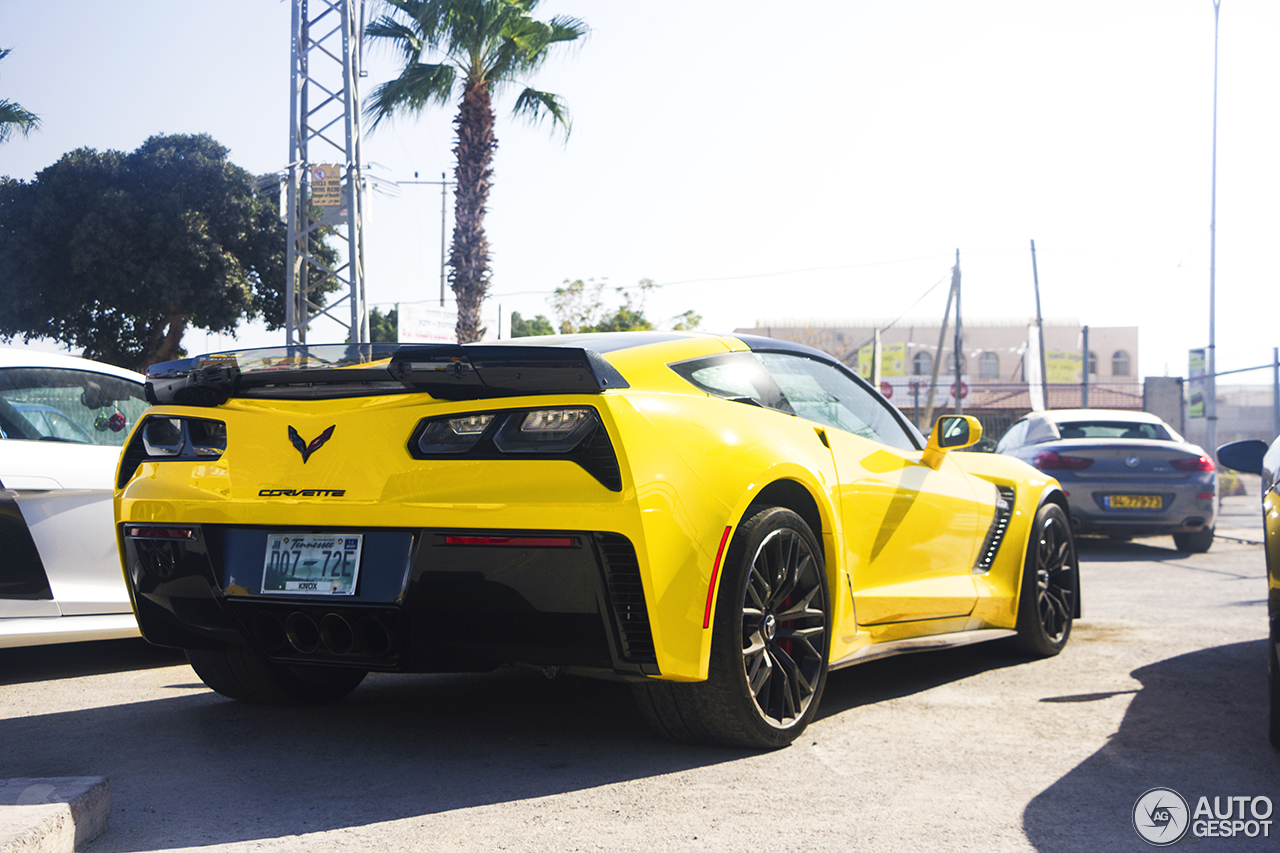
(1120, 363)
(989, 366)
(951, 364)
(921, 364)
(1093, 363)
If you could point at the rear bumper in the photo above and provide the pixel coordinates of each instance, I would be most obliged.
(423, 602)
(1180, 514)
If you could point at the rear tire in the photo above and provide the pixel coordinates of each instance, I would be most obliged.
(769, 645)
(238, 672)
(1194, 543)
(1050, 585)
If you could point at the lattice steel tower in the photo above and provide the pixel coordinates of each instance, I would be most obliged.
(324, 129)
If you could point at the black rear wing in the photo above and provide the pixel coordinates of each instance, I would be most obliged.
(445, 371)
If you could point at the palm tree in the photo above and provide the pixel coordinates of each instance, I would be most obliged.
(485, 45)
(13, 116)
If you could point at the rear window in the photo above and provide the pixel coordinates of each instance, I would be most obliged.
(1113, 429)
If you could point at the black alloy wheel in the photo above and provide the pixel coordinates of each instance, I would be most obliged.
(1050, 585)
(784, 627)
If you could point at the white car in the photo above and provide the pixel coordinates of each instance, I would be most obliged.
(63, 421)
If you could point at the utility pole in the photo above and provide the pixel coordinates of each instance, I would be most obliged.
(324, 133)
(1275, 390)
(1084, 385)
(942, 339)
(444, 195)
(958, 350)
(1211, 386)
(1044, 366)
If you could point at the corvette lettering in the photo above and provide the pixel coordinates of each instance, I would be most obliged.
(301, 493)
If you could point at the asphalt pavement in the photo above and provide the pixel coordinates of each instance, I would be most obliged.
(1162, 685)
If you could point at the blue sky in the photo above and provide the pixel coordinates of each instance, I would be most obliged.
(821, 159)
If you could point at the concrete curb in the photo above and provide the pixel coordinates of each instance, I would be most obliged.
(53, 815)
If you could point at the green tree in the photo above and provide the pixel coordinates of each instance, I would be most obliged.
(485, 45)
(13, 117)
(522, 328)
(383, 328)
(118, 254)
(579, 306)
(686, 322)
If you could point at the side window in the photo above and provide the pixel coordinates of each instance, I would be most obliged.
(735, 376)
(53, 404)
(1013, 437)
(823, 393)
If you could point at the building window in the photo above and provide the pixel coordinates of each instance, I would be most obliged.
(989, 366)
(922, 364)
(1120, 363)
(1093, 363)
(951, 364)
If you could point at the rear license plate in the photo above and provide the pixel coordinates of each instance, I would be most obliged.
(312, 564)
(1133, 502)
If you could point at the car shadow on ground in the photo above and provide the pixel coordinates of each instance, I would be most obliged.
(1198, 726)
(906, 675)
(198, 769)
(74, 660)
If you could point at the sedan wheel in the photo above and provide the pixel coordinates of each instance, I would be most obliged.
(1273, 680)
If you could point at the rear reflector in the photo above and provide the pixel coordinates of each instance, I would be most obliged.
(715, 570)
(514, 541)
(1206, 495)
(161, 533)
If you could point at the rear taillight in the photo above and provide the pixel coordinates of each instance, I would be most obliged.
(1193, 463)
(1047, 460)
(571, 433)
(161, 439)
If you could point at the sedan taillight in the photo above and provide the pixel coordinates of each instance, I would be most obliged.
(1193, 463)
(1047, 460)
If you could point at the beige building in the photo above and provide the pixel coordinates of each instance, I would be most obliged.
(993, 363)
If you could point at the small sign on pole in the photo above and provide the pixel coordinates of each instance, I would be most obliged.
(326, 186)
(1196, 376)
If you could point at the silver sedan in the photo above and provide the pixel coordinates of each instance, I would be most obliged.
(1125, 473)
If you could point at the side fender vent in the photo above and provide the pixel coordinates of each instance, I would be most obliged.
(995, 534)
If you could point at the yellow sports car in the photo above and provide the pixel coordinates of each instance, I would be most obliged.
(718, 520)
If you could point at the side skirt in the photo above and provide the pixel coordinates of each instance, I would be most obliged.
(922, 644)
(45, 630)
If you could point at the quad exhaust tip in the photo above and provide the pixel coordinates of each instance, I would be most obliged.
(333, 634)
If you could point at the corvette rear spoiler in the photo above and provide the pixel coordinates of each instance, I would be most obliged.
(445, 371)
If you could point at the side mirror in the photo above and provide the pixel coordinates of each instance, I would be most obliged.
(951, 432)
(1243, 456)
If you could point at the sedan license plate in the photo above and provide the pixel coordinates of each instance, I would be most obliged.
(1133, 502)
(312, 563)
